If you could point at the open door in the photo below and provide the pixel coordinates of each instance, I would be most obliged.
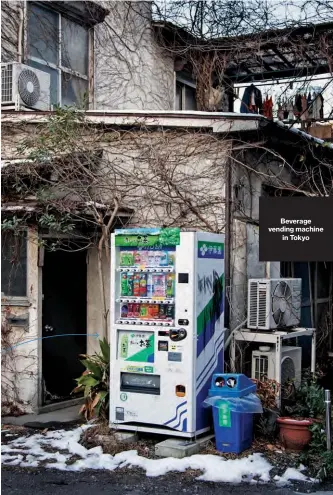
(64, 322)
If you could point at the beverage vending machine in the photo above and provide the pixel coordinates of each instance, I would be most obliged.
(167, 328)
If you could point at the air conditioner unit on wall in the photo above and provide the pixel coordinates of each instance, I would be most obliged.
(264, 365)
(24, 86)
(274, 303)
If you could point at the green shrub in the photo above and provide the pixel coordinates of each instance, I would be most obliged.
(95, 383)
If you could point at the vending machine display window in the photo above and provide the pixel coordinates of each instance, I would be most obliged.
(147, 285)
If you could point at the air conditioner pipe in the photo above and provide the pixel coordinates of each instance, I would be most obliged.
(328, 419)
(227, 342)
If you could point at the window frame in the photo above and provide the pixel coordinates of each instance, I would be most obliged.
(22, 299)
(59, 67)
(184, 82)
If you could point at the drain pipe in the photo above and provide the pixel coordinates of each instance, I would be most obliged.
(328, 419)
(227, 342)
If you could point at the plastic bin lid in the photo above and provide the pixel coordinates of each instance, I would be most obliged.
(231, 385)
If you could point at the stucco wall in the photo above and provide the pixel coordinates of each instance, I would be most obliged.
(20, 365)
(131, 70)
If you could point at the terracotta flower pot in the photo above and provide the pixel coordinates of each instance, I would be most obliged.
(295, 433)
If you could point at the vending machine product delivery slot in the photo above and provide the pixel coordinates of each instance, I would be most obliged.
(167, 328)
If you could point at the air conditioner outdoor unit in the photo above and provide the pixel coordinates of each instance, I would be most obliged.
(264, 365)
(24, 86)
(274, 303)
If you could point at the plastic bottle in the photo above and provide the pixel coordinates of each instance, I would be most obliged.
(137, 258)
(162, 312)
(130, 311)
(123, 258)
(171, 258)
(150, 285)
(124, 311)
(136, 285)
(144, 311)
(143, 285)
(164, 258)
(144, 258)
(157, 260)
(170, 311)
(130, 284)
(170, 285)
(124, 285)
(159, 285)
(136, 310)
(151, 258)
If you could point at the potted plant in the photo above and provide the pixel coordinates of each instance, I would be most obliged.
(309, 407)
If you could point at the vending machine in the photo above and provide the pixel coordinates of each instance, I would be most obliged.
(167, 328)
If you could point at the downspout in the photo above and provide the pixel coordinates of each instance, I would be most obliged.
(227, 246)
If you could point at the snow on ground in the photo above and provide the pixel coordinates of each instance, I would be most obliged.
(55, 449)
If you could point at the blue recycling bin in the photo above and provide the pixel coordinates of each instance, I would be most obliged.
(233, 400)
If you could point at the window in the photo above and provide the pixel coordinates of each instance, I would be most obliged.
(59, 47)
(185, 96)
(14, 264)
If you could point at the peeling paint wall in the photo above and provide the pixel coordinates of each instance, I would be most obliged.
(21, 365)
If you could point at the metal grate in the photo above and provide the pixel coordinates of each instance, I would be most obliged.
(6, 83)
(261, 367)
(253, 304)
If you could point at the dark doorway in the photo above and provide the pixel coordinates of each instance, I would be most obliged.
(64, 314)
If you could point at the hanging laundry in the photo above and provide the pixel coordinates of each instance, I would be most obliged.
(317, 106)
(252, 100)
(304, 114)
(268, 107)
(280, 111)
(298, 105)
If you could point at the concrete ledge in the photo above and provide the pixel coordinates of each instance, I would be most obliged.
(173, 447)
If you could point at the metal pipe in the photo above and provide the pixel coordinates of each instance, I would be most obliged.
(228, 238)
(328, 419)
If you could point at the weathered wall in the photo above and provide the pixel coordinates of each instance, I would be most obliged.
(131, 70)
(20, 365)
(11, 20)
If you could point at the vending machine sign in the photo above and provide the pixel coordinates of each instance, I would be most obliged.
(136, 346)
(147, 237)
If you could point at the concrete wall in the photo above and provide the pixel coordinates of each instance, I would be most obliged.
(131, 70)
(21, 365)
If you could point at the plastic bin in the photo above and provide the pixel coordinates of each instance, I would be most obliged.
(233, 400)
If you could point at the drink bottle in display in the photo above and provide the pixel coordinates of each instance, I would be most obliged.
(150, 285)
(130, 257)
(130, 284)
(124, 311)
(144, 258)
(164, 258)
(157, 260)
(155, 310)
(151, 258)
(170, 285)
(170, 311)
(137, 258)
(159, 285)
(162, 312)
(136, 285)
(136, 310)
(124, 285)
(130, 311)
(143, 285)
(171, 258)
(144, 311)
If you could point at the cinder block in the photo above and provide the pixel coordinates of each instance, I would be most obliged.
(179, 448)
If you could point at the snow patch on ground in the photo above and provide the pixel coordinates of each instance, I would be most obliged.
(55, 450)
